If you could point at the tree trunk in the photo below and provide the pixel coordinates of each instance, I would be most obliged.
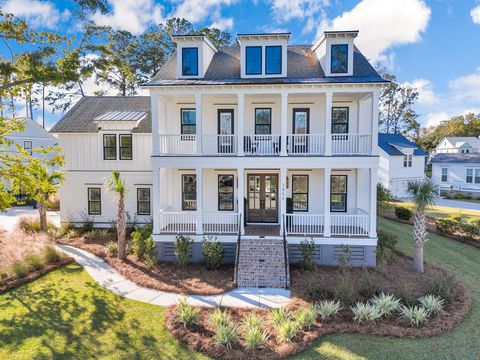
(418, 259)
(42, 211)
(419, 239)
(122, 244)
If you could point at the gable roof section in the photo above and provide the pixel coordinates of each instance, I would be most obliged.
(81, 117)
(31, 129)
(303, 67)
(456, 158)
(391, 142)
(459, 141)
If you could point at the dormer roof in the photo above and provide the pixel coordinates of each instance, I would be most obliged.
(398, 145)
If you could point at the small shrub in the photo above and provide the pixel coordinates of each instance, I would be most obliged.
(385, 247)
(29, 224)
(365, 312)
(442, 286)
(103, 234)
(90, 235)
(306, 317)
(406, 295)
(254, 337)
(87, 225)
(186, 314)
(19, 269)
(220, 317)
(460, 196)
(225, 335)
(386, 304)
(280, 315)
(112, 247)
(142, 244)
(414, 314)
(252, 320)
(471, 228)
(317, 290)
(183, 247)
(344, 291)
(449, 224)
(35, 262)
(212, 252)
(55, 233)
(287, 330)
(369, 286)
(403, 213)
(327, 309)
(71, 233)
(432, 304)
(345, 257)
(307, 254)
(51, 255)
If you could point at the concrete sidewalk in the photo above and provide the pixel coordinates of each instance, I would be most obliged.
(111, 280)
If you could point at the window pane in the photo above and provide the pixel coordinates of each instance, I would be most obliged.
(95, 207)
(338, 202)
(300, 184)
(109, 140)
(190, 61)
(477, 176)
(263, 116)
(126, 153)
(225, 183)
(225, 201)
(253, 60)
(188, 116)
(110, 153)
(143, 194)
(300, 126)
(94, 194)
(189, 186)
(339, 58)
(125, 140)
(144, 208)
(338, 183)
(273, 59)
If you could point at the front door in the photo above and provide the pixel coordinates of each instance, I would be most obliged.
(262, 198)
(225, 131)
(300, 130)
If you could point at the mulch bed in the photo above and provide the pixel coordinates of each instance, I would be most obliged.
(195, 279)
(12, 281)
(200, 337)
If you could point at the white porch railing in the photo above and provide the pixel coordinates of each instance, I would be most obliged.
(221, 223)
(308, 144)
(351, 144)
(304, 224)
(348, 225)
(178, 144)
(219, 144)
(255, 145)
(178, 222)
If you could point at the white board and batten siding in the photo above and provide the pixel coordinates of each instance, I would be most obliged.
(456, 177)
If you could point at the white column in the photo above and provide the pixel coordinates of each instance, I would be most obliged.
(199, 172)
(240, 121)
(283, 124)
(283, 195)
(328, 123)
(198, 122)
(326, 208)
(156, 200)
(240, 197)
(373, 203)
(375, 102)
(154, 109)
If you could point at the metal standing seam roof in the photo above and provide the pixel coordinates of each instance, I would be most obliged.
(121, 116)
(457, 158)
(387, 143)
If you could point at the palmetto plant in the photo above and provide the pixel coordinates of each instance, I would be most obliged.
(118, 186)
(424, 194)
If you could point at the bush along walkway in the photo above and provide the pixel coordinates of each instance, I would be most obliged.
(111, 280)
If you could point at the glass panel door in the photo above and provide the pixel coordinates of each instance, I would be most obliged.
(262, 198)
(301, 125)
(225, 130)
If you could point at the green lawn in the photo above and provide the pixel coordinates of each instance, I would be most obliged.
(66, 315)
(441, 211)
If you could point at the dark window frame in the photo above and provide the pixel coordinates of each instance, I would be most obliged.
(339, 193)
(300, 193)
(269, 125)
(144, 201)
(183, 193)
(120, 147)
(471, 176)
(407, 160)
(109, 147)
(233, 192)
(332, 59)
(338, 123)
(231, 111)
(183, 59)
(94, 201)
(294, 111)
(246, 60)
(188, 125)
(475, 176)
(266, 59)
(28, 149)
(442, 175)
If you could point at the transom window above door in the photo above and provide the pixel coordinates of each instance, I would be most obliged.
(340, 120)
(263, 121)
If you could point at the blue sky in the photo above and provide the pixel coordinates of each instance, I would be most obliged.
(433, 45)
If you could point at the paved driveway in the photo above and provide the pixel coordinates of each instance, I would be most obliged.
(458, 204)
(9, 219)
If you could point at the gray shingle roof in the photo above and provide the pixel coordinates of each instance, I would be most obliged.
(303, 67)
(456, 158)
(386, 142)
(80, 118)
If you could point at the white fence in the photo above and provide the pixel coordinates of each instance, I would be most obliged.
(306, 144)
(178, 222)
(304, 224)
(219, 144)
(221, 223)
(351, 144)
(178, 144)
(255, 145)
(350, 224)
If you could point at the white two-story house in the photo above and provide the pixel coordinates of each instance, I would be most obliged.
(261, 144)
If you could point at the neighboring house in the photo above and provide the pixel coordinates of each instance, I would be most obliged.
(457, 172)
(458, 144)
(400, 161)
(32, 136)
(254, 144)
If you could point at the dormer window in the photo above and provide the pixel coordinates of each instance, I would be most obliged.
(339, 59)
(273, 60)
(253, 60)
(189, 61)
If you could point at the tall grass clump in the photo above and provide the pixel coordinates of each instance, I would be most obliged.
(19, 269)
(432, 304)
(327, 309)
(34, 262)
(306, 317)
(186, 314)
(386, 304)
(51, 255)
(365, 312)
(415, 315)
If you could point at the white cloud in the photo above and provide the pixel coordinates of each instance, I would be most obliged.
(308, 10)
(475, 14)
(39, 14)
(223, 24)
(383, 24)
(467, 87)
(426, 95)
(197, 11)
(131, 15)
(435, 118)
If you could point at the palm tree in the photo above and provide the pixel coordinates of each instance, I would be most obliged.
(117, 185)
(424, 194)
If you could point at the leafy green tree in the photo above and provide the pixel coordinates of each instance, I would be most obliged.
(118, 186)
(424, 194)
